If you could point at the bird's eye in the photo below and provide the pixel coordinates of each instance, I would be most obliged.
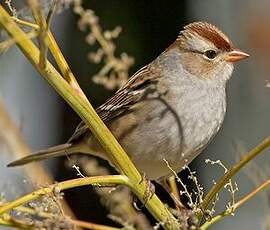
(211, 54)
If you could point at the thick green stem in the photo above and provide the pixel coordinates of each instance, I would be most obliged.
(87, 113)
(98, 181)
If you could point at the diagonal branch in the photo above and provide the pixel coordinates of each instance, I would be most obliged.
(58, 57)
(237, 205)
(115, 152)
(231, 172)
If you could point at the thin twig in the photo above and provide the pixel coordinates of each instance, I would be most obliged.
(11, 8)
(79, 223)
(43, 31)
(43, 34)
(50, 14)
(186, 192)
(26, 23)
(236, 205)
(58, 57)
(252, 194)
(114, 151)
(232, 171)
(5, 45)
(9, 222)
(93, 226)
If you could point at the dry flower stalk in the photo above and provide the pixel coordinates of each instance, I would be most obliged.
(11, 136)
(11, 8)
(26, 219)
(90, 20)
(88, 115)
(118, 200)
(137, 219)
(231, 187)
(229, 212)
(48, 40)
(114, 72)
(233, 170)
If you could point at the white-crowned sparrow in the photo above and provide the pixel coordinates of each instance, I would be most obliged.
(170, 109)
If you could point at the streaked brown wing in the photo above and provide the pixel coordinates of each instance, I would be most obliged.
(121, 102)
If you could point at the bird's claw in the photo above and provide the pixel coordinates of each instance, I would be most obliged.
(176, 199)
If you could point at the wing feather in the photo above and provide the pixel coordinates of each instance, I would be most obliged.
(122, 101)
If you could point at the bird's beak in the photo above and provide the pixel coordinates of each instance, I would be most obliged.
(236, 55)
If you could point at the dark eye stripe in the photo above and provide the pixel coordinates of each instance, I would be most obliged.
(210, 54)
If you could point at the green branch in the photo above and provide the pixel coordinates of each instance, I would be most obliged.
(232, 171)
(226, 213)
(95, 181)
(87, 113)
(58, 57)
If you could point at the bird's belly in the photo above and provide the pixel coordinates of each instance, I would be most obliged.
(157, 138)
(158, 134)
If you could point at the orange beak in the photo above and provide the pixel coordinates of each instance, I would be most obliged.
(236, 55)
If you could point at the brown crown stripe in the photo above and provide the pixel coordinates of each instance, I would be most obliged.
(211, 33)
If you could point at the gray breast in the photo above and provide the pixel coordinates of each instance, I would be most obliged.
(175, 123)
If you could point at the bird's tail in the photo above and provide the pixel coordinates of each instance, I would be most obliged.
(56, 151)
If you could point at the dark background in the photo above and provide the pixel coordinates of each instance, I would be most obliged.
(149, 27)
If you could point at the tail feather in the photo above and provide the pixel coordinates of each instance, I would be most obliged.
(56, 151)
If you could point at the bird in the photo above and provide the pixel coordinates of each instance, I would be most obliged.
(168, 111)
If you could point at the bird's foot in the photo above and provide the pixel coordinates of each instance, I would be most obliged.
(177, 202)
(175, 196)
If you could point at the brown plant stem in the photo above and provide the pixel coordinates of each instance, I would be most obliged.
(79, 223)
(9, 222)
(93, 226)
(12, 137)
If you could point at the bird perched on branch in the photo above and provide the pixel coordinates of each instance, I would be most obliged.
(169, 110)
